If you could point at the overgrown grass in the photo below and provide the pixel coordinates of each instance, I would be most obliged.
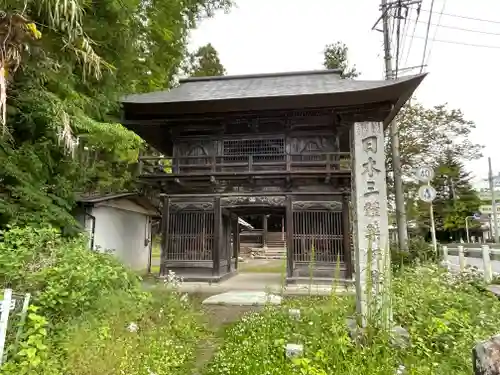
(93, 318)
(156, 335)
(445, 316)
(90, 315)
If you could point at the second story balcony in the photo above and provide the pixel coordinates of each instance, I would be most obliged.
(246, 166)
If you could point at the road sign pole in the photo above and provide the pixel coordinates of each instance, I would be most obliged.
(428, 194)
(467, 228)
(433, 225)
(493, 202)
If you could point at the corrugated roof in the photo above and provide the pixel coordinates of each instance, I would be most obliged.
(260, 86)
(97, 198)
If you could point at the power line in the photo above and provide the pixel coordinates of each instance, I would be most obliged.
(460, 43)
(427, 36)
(398, 39)
(404, 37)
(435, 32)
(459, 28)
(412, 35)
(465, 17)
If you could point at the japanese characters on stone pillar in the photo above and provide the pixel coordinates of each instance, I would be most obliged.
(371, 232)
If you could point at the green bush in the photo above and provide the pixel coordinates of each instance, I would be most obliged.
(90, 315)
(419, 251)
(63, 275)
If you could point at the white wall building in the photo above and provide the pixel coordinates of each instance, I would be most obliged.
(121, 223)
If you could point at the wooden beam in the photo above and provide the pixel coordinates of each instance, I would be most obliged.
(254, 194)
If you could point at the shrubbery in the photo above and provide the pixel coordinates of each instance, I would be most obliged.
(419, 252)
(83, 305)
(64, 277)
(444, 314)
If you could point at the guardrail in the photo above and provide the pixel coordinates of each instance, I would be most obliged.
(324, 162)
(485, 253)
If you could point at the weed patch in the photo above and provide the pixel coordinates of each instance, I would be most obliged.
(445, 316)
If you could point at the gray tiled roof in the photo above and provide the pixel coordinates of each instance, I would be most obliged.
(260, 86)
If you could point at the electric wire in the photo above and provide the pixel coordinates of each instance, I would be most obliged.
(404, 37)
(465, 17)
(427, 36)
(460, 43)
(413, 34)
(435, 33)
(398, 39)
(460, 28)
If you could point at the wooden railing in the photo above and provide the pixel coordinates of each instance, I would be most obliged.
(321, 162)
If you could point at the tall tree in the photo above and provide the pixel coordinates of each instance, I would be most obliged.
(427, 135)
(336, 57)
(205, 62)
(18, 32)
(142, 42)
(456, 199)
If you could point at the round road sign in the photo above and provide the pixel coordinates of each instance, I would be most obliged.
(424, 174)
(427, 193)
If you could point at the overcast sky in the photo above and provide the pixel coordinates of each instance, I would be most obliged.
(261, 36)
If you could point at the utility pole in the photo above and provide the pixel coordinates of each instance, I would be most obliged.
(493, 201)
(394, 133)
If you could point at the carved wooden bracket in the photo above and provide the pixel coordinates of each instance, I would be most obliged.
(273, 201)
(317, 205)
(191, 206)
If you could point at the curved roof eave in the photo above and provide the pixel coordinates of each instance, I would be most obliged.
(243, 89)
(396, 92)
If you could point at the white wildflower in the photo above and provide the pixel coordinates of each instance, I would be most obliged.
(132, 327)
(173, 280)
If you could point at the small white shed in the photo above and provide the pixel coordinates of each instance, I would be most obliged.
(121, 223)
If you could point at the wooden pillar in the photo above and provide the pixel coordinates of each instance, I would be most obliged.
(282, 228)
(227, 242)
(236, 239)
(264, 233)
(165, 226)
(346, 236)
(289, 236)
(218, 240)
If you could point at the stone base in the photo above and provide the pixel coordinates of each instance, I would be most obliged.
(243, 298)
(302, 280)
(400, 337)
(202, 277)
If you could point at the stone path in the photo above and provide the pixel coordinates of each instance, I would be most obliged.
(243, 298)
(260, 282)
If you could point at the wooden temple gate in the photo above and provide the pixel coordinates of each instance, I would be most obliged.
(201, 235)
(255, 145)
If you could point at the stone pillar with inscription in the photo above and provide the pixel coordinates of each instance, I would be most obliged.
(371, 232)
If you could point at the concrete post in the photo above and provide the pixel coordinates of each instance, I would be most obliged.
(445, 254)
(488, 274)
(461, 258)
